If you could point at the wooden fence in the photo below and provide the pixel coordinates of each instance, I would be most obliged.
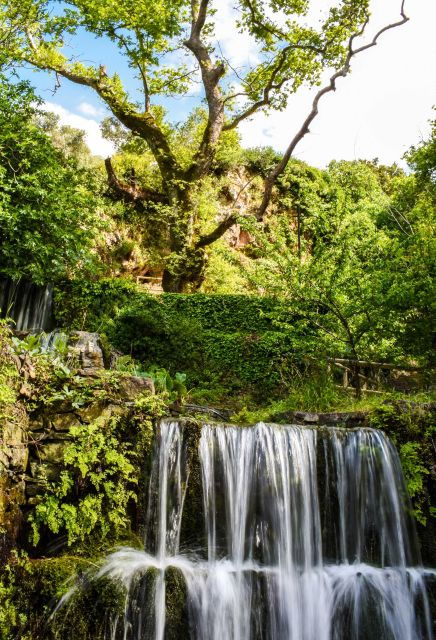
(371, 377)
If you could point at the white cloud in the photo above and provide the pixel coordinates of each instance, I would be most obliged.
(380, 110)
(240, 49)
(97, 144)
(89, 110)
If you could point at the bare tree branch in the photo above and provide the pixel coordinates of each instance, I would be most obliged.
(270, 86)
(331, 86)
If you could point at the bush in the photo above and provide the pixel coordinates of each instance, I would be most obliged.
(225, 339)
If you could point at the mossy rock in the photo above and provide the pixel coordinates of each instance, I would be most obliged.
(85, 616)
(177, 624)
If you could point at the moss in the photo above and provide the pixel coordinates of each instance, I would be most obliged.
(411, 427)
(41, 583)
(177, 625)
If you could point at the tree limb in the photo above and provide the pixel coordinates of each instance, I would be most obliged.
(217, 233)
(142, 124)
(211, 74)
(331, 86)
(129, 191)
(225, 224)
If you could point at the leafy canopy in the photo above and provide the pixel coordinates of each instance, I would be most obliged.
(152, 37)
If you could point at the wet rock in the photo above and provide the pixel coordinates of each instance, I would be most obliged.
(216, 413)
(86, 347)
(350, 419)
(308, 418)
(64, 421)
(345, 419)
(12, 496)
(131, 387)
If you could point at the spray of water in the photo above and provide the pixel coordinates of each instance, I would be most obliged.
(308, 537)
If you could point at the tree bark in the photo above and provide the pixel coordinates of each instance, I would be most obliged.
(188, 276)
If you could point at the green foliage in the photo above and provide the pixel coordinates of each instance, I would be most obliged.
(31, 589)
(147, 32)
(8, 374)
(361, 269)
(181, 166)
(12, 616)
(173, 388)
(233, 339)
(414, 473)
(412, 428)
(68, 140)
(88, 303)
(94, 488)
(164, 383)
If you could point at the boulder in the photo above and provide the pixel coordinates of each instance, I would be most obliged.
(52, 452)
(14, 453)
(63, 421)
(86, 347)
(131, 387)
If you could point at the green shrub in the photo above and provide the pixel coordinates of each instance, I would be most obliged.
(233, 340)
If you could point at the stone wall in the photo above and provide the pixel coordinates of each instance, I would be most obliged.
(35, 434)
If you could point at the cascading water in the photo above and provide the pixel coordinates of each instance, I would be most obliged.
(307, 536)
(27, 304)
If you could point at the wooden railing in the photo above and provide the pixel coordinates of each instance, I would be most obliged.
(367, 376)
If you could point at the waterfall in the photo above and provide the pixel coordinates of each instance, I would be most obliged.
(27, 304)
(307, 535)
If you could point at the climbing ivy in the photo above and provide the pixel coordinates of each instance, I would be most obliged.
(231, 339)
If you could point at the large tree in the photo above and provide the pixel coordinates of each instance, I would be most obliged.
(170, 43)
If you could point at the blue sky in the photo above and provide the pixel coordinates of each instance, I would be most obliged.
(378, 111)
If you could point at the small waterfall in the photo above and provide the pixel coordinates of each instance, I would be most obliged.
(30, 306)
(308, 536)
(53, 341)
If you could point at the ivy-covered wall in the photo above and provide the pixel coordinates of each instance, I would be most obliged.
(232, 340)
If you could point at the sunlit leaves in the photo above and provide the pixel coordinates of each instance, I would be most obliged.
(48, 212)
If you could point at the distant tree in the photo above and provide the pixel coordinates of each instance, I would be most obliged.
(364, 281)
(169, 44)
(69, 140)
(411, 220)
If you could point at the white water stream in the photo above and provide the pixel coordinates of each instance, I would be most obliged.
(307, 537)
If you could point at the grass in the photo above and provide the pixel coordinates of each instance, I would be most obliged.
(316, 395)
